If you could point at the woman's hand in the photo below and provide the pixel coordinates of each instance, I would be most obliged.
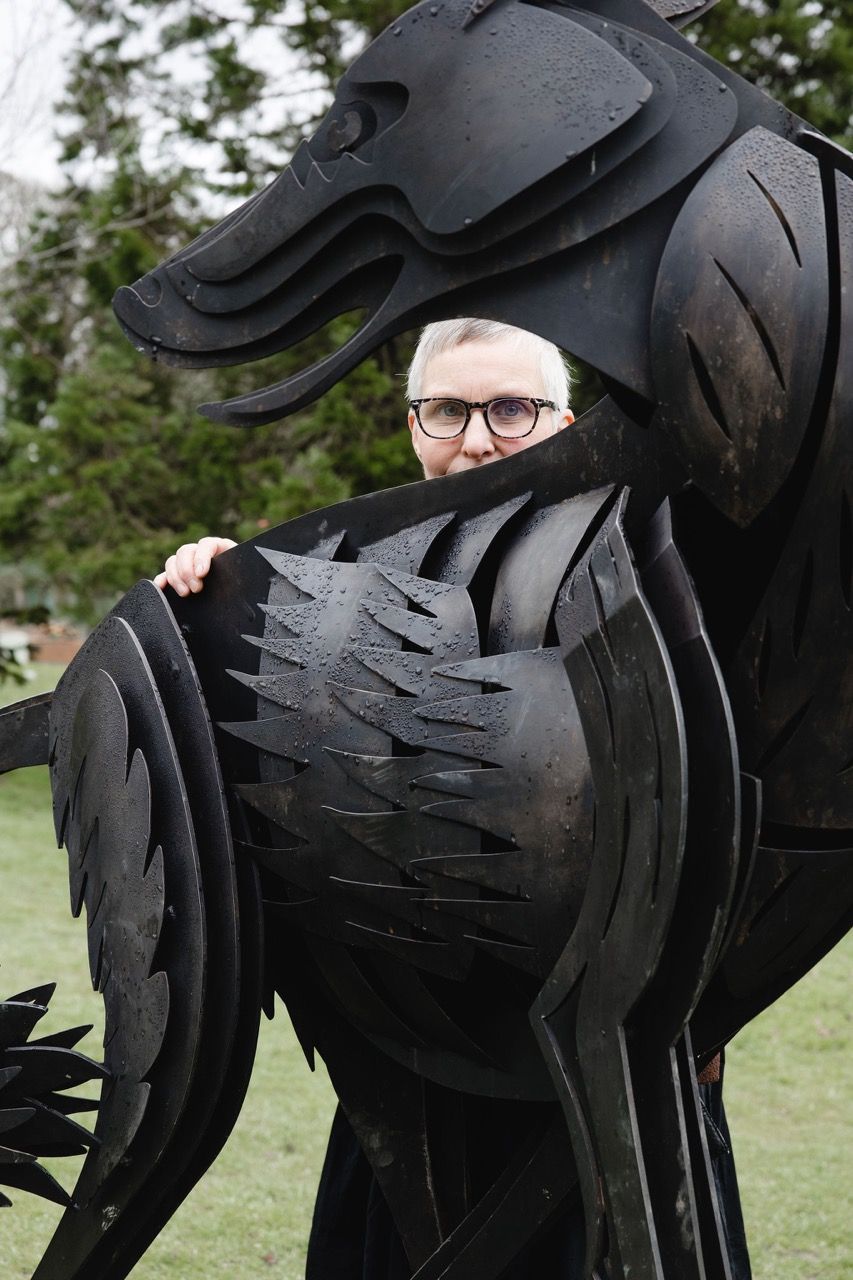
(186, 570)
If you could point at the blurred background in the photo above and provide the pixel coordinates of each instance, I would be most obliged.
(126, 126)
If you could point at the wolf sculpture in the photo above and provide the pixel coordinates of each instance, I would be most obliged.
(535, 789)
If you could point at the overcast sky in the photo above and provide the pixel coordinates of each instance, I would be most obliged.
(34, 36)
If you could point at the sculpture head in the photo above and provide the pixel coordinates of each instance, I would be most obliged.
(403, 203)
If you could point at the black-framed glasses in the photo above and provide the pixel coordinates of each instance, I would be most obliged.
(508, 417)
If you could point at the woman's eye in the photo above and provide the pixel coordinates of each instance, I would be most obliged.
(507, 409)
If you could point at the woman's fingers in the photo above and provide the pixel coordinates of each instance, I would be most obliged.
(186, 569)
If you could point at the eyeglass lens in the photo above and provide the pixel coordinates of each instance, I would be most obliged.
(509, 417)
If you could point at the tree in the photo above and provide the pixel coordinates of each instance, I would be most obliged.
(172, 111)
(798, 51)
(106, 465)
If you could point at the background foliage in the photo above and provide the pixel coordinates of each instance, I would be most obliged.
(173, 111)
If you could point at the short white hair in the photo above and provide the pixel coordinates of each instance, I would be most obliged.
(445, 334)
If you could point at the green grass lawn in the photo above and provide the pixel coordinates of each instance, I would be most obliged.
(249, 1217)
(789, 1097)
(788, 1090)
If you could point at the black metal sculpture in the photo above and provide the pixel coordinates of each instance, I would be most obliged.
(547, 780)
(36, 1112)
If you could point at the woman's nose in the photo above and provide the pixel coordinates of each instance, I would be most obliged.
(477, 438)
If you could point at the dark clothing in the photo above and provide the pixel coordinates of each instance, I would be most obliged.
(353, 1236)
(725, 1176)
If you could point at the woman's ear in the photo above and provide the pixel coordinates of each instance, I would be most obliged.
(413, 429)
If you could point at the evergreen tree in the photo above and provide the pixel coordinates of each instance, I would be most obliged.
(171, 110)
(106, 467)
(798, 51)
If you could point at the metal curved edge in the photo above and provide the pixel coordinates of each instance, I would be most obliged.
(234, 912)
(657, 1192)
(24, 733)
(87, 1243)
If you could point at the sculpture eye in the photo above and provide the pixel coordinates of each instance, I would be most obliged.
(351, 124)
(351, 127)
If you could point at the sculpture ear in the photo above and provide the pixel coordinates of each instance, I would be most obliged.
(480, 93)
(680, 12)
